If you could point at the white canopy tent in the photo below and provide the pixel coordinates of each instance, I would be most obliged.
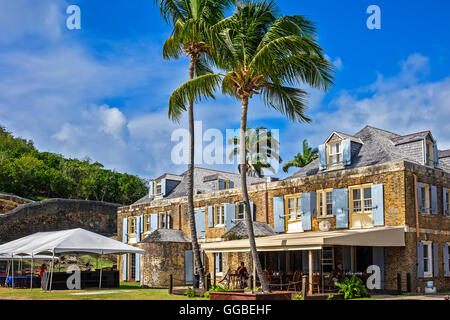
(67, 241)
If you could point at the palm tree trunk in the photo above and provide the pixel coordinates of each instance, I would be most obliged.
(190, 182)
(248, 216)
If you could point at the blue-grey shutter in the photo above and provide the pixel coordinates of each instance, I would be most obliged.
(420, 266)
(142, 223)
(305, 261)
(221, 184)
(150, 188)
(346, 258)
(306, 211)
(138, 229)
(323, 156)
(434, 200)
(446, 261)
(378, 260)
(230, 184)
(210, 217)
(163, 186)
(252, 209)
(229, 215)
(378, 205)
(137, 273)
(444, 200)
(425, 151)
(188, 268)
(278, 214)
(124, 267)
(419, 196)
(217, 258)
(153, 222)
(200, 222)
(435, 259)
(340, 207)
(436, 155)
(347, 152)
(125, 230)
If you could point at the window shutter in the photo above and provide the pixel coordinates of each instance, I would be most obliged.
(308, 204)
(378, 205)
(150, 188)
(435, 259)
(188, 267)
(444, 200)
(221, 184)
(420, 266)
(378, 260)
(346, 258)
(138, 268)
(138, 229)
(347, 151)
(124, 267)
(229, 215)
(278, 214)
(446, 262)
(200, 222)
(419, 196)
(210, 217)
(217, 257)
(153, 222)
(436, 155)
(434, 200)
(323, 156)
(252, 209)
(125, 230)
(163, 187)
(231, 184)
(340, 207)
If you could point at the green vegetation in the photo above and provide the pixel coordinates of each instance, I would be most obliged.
(127, 291)
(302, 159)
(190, 293)
(298, 297)
(352, 288)
(26, 172)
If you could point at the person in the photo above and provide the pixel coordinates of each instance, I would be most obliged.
(42, 269)
(338, 273)
(243, 275)
(88, 267)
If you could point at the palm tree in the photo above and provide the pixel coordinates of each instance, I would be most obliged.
(193, 36)
(262, 54)
(302, 159)
(260, 147)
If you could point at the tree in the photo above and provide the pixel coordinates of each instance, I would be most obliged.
(302, 159)
(262, 53)
(193, 36)
(261, 147)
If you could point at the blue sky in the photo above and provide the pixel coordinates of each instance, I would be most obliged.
(101, 92)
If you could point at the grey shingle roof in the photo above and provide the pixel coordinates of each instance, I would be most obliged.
(410, 137)
(166, 235)
(444, 153)
(378, 147)
(261, 229)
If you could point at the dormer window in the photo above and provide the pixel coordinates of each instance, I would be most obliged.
(430, 153)
(334, 151)
(158, 187)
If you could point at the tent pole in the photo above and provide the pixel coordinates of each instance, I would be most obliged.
(8, 267)
(31, 276)
(51, 274)
(101, 270)
(12, 271)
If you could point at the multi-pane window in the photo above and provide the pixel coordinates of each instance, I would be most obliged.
(425, 191)
(325, 202)
(158, 188)
(165, 221)
(225, 184)
(427, 259)
(132, 225)
(335, 153)
(240, 213)
(147, 223)
(219, 215)
(448, 202)
(294, 207)
(361, 200)
(219, 262)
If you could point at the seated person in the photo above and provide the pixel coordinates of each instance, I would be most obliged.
(243, 275)
(338, 274)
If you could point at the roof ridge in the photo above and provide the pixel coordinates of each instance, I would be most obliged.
(379, 129)
(411, 134)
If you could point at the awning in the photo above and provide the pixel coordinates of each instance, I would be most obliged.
(374, 237)
(7, 257)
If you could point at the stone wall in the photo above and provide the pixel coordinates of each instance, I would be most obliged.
(9, 202)
(58, 214)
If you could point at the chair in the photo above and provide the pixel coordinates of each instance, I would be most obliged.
(294, 283)
(316, 282)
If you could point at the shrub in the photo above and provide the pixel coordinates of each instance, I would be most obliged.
(298, 297)
(189, 292)
(352, 288)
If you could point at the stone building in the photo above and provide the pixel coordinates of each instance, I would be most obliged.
(374, 198)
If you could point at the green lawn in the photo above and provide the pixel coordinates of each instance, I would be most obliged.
(127, 291)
